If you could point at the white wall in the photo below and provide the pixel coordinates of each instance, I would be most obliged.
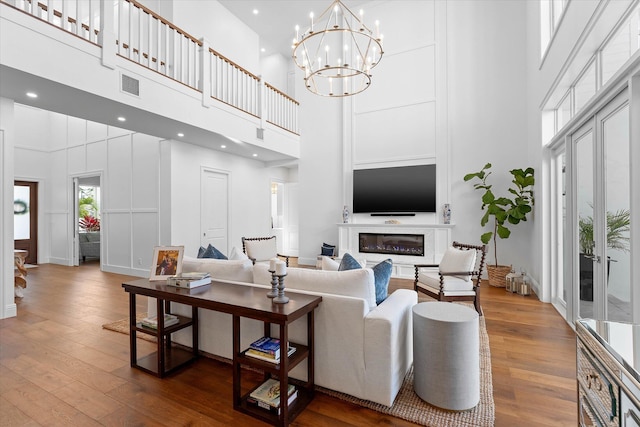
(274, 70)
(52, 148)
(249, 195)
(488, 115)
(227, 34)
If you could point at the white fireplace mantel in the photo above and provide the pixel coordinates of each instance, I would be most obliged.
(437, 238)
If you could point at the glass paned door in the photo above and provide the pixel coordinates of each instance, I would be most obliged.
(583, 145)
(615, 136)
(601, 153)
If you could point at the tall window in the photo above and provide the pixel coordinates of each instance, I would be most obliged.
(550, 14)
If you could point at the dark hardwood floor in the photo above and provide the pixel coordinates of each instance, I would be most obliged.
(59, 367)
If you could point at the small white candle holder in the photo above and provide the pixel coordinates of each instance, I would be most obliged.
(274, 285)
(281, 298)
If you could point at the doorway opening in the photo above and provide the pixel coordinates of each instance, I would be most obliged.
(88, 222)
(25, 219)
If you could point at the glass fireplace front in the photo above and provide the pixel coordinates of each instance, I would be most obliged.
(393, 244)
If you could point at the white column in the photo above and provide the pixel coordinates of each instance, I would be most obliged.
(204, 84)
(107, 35)
(8, 306)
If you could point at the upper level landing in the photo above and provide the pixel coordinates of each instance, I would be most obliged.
(135, 65)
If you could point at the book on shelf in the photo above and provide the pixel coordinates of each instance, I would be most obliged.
(267, 356)
(267, 345)
(152, 322)
(268, 393)
(189, 280)
(273, 409)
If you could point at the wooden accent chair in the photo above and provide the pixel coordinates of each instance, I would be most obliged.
(456, 278)
(261, 249)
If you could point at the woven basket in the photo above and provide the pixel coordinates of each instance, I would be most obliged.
(497, 275)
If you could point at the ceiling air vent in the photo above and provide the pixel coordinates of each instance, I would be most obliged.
(130, 85)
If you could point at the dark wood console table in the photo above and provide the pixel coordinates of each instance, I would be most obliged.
(239, 301)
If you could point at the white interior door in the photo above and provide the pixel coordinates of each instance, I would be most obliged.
(214, 210)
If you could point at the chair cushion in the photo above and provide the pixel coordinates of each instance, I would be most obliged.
(431, 278)
(261, 250)
(455, 260)
(211, 252)
(382, 274)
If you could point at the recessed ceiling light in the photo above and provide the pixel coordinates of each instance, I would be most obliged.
(122, 119)
(223, 146)
(181, 134)
(32, 94)
(255, 155)
(256, 11)
(263, 50)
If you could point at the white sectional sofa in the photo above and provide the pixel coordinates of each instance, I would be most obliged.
(362, 349)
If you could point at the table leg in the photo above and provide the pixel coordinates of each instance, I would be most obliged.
(161, 340)
(132, 329)
(237, 398)
(284, 374)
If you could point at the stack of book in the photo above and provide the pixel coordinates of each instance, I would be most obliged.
(152, 322)
(267, 396)
(189, 280)
(267, 349)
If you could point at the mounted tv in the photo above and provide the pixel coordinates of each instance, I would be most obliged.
(396, 190)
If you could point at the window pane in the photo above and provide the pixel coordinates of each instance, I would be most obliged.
(585, 87)
(558, 6)
(621, 47)
(564, 112)
(616, 145)
(21, 217)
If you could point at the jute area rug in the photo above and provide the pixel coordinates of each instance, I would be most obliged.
(407, 405)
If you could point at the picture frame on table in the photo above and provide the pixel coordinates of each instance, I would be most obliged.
(166, 262)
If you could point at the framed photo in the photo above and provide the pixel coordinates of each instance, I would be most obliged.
(166, 262)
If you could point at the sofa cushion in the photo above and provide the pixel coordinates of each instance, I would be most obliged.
(358, 283)
(222, 269)
(211, 252)
(382, 274)
(329, 264)
(348, 262)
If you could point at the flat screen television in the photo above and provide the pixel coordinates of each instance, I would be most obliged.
(396, 190)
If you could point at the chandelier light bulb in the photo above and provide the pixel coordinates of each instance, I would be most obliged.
(311, 16)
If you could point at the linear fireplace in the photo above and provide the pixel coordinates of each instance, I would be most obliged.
(394, 244)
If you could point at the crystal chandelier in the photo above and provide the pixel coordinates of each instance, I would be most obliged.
(337, 52)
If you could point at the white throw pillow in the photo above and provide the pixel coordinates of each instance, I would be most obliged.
(237, 254)
(458, 260)
(329, 264)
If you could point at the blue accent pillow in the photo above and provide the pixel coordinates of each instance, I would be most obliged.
(212, 252)
(348, 263)
(201, 252)
(327, 249)
(382, 274)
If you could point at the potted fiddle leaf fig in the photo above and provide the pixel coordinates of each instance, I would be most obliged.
(501, 212)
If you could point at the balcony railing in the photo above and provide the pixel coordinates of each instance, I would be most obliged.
(146, 38)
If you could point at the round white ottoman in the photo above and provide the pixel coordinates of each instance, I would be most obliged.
(446, 355)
